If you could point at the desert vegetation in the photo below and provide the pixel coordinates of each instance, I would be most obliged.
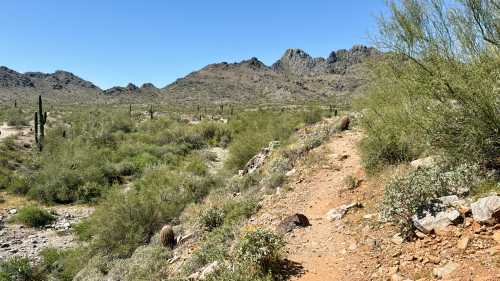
(141, 173)
(434, 94)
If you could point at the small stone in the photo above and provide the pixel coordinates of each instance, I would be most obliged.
(434, 259)
(13, 211)
(496, 236)
(396, 277)
(397, 239)
(445, 271)
(463, 243)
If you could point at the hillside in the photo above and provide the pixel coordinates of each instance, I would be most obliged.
(295, 77)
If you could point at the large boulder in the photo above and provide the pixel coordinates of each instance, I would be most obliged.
(486, 210)
(292, 222)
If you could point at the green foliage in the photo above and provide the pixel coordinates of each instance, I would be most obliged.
(16, 117)
(18, 269)
(437, 89)
(34, 216)
(63, 265)
(126, 220)
(312, 115)
(212, 218)
(254, 130)
(407, 195)
(261, 248)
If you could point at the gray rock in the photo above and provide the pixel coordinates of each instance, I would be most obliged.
(440, 220)
(339, 213)
(426, 162)
(486, 210)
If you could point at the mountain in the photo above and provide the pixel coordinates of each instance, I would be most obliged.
(295, 77)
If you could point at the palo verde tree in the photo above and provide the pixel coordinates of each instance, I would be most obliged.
(438, 87)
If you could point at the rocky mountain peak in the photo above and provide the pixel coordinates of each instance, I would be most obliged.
(10, 78)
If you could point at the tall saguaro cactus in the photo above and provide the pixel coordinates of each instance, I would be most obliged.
(151, 112)
(40, 120)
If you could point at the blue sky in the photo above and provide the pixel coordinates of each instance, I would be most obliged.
(113, 42)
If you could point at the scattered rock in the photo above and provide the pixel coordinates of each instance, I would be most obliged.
(496, 236)
(291, 172)
(440, 220)
(397, 239)
(426, 162)
(13, 211)
(339, 213)
(204, 272)
(445, 271)
(463, 243)
(258, 160)
(486, 210)
(292, 222)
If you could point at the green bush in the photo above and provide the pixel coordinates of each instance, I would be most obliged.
(435, 90)
(261, 248)
(127, 220)
(18, 269)
(63, 265)
(407, 195)
(34, 216)
(312, 115)
(212, 218)
(17, 118)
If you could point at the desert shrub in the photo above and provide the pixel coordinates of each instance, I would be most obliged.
(18, 269)
(242, 183)
(251, 131)
(214, 247)
(312, 115)
(275, 179)
(34, 216)
(239, 272)
(485, 187)
(379, 150)
(435, 90)
(407, 195)
(127, 220)
(212, 218)
(261, 248)
(17, 118)
(63, 264)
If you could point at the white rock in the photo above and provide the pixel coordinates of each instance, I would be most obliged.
(426, 162)
(13, 211)
(209, 269)
(291, 172)
(439, 221)
(485, 209)
(338, 213)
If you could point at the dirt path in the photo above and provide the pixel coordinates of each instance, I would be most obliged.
(359, 246)
(322, 249)
(22, 134)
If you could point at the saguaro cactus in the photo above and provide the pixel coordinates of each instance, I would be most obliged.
(40, 120)
(151, 112)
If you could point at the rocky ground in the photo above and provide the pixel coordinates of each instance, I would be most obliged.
(347, 240)
(19, 240)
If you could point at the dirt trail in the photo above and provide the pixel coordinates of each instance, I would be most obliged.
(320, 251)
(359, 246)
(22, 134)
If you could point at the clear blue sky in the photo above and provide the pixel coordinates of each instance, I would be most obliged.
(113, 42)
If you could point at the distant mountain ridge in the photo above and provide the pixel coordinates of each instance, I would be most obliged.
(296, 76)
